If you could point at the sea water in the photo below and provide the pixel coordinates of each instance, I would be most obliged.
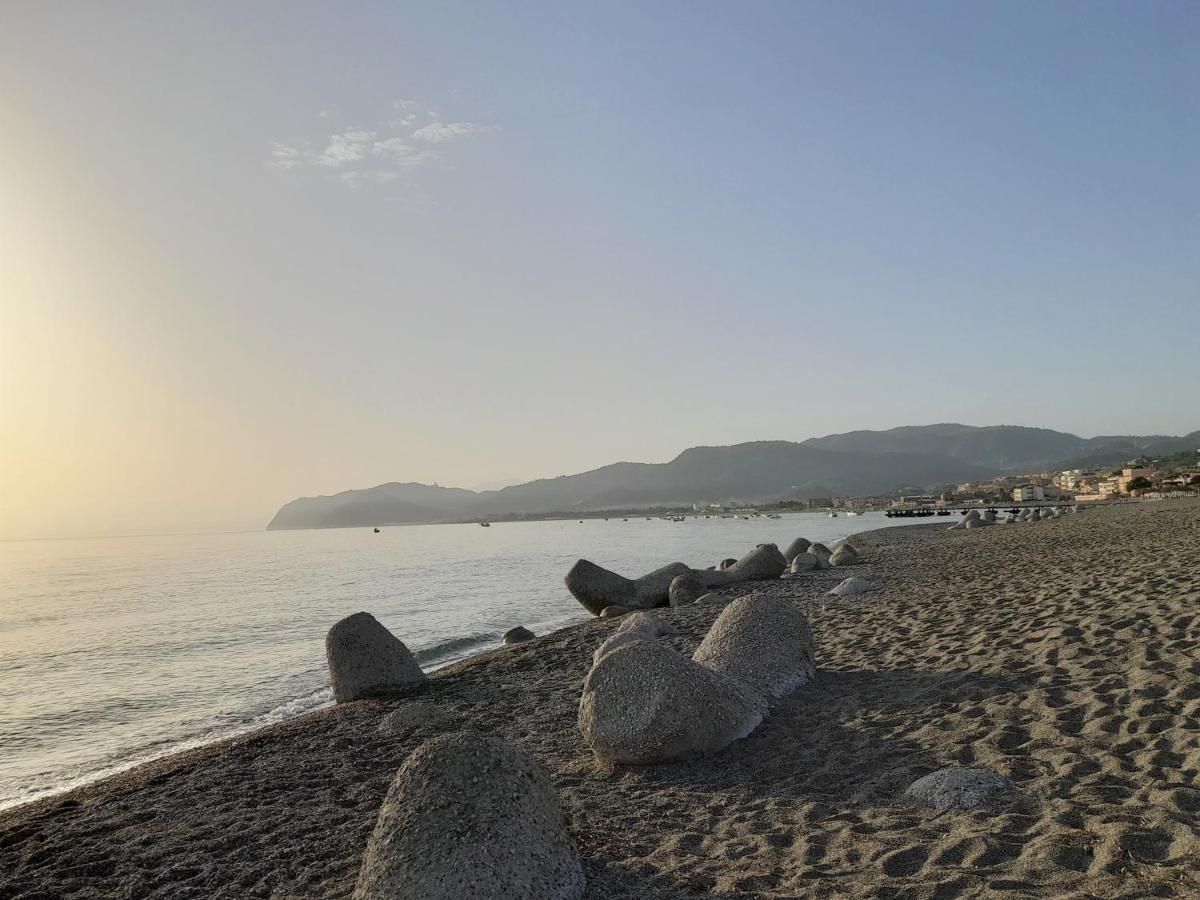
(116, 650)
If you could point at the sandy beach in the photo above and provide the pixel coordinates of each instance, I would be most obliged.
(1062, 654)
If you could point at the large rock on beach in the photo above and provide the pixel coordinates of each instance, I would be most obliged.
(954, 788)
(645, 703)
(798, 546)
(726, 563)
(518, 635)
(686, 589)
(638, 626)
(596, 587)
(978, 523)
(367, 660)
(763, 642)
(470, 815)
(843, 556)
(802, 562)
(762, 563)
(820, 551)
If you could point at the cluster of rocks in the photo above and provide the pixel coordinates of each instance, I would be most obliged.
(644, 702)
(983, 518)
(606, 594)
(453, 785)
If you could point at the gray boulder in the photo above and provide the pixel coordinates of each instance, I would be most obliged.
(798, 546)
(638, 626)
(761, 564)
(367, 660)
(470, 815)
(843, 556)
(596, 587)
(517, 635)
(954, 788)
(417, 715)
(803, 562)
(820, 551)
(852, 587)
(686, 589)
(644, 703)
(977, 523)
(726, 563)
(763, 642)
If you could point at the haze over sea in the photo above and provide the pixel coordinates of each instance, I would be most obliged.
(116, 650)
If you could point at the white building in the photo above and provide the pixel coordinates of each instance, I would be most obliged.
(1069, 479)
(1024, 492)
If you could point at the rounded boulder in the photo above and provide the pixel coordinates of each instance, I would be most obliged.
(518, 635)
(470, 815)
(644, 703)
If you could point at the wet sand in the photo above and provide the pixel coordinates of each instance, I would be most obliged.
(1063, 654)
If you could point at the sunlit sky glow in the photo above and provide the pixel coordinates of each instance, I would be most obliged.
(255, 251)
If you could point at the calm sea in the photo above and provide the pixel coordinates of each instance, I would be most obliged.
(117, 650)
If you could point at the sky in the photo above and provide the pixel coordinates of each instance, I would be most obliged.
(250, 252)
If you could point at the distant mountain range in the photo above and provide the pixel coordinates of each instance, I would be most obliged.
(856, 463)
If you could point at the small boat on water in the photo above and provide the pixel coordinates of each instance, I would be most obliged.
(485, 524)
(833, 515)
(377, 531)
(854, 513)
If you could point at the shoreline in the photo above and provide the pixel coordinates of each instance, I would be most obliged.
(1004, 646)
(284, 693)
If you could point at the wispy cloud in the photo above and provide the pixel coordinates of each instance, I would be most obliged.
(440, 132)
(359, 156)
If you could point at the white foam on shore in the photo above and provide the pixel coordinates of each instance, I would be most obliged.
(60, 783)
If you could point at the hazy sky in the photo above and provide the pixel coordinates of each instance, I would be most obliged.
(250, 251)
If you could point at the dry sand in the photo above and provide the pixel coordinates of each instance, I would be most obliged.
(1063, 654)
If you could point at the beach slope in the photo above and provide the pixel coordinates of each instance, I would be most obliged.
(1064, 655)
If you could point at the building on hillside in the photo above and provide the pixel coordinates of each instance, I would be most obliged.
(1109, 487)
(1069, 479)
(1129, 473)
(1024, 493)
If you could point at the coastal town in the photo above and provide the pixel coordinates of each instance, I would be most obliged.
(1171, 477)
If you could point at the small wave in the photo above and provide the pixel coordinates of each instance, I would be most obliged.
(52, 783)
(455, 648)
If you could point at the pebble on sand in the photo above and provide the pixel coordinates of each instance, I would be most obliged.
(955, 788)
(414, 716)
(852, 586)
